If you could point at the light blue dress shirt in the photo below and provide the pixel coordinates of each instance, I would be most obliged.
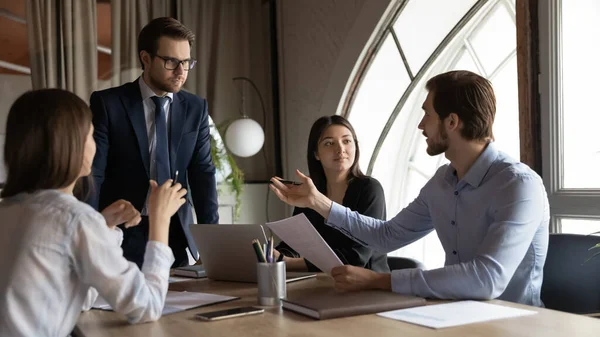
(57, 254)
(493, 225)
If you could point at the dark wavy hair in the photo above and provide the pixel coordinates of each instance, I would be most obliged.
(315, 168)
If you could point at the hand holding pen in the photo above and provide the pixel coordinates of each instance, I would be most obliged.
(305, 194)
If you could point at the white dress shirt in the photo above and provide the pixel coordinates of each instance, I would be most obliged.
(53, 248)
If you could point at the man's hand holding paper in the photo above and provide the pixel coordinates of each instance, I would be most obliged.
(299, 234)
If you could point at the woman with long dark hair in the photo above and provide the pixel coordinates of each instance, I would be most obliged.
(56, 252)
(333, 155)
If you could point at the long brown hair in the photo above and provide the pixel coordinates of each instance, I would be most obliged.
(315, 168)
(46, 132)
(468, 95)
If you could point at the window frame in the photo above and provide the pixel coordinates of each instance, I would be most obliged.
(564, 202)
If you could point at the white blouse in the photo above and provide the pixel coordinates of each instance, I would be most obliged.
(53, 249)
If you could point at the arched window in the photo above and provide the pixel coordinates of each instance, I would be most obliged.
(425, 38)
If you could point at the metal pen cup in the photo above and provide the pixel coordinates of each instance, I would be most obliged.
(271, 283)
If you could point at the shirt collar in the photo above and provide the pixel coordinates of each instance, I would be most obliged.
(147, 92)
(478, 170)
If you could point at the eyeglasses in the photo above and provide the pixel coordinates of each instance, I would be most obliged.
(173, 63)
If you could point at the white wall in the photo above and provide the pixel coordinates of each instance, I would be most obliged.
(320, 43)
(254, 206)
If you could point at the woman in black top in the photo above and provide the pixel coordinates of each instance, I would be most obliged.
(333, 156)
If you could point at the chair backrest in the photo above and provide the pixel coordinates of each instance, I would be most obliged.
(570, 284)
(396, 262)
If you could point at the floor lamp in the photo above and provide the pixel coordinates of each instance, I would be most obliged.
(244, 137)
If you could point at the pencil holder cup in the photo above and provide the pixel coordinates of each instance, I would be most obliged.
(271, 283)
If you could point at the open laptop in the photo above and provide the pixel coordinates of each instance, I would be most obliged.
(227, 254)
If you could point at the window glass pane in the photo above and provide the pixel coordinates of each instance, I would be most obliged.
(581, 148)
(393, 158)
(379, 92)
(495, 39)
(506, 130)
(428, 250)
(414, 183)
(421, 159)
(423, 24)
(579, 226)
(465, 62)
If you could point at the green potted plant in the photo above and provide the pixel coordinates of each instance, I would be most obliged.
(228, 173)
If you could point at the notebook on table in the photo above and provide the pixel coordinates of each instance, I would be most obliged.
(326, 303)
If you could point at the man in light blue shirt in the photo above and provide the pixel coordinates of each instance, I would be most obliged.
(490, 211)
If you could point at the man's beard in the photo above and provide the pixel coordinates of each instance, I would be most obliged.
(164, 86)
(437, 147)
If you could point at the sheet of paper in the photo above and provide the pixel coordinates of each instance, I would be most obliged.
(300, 234)
(101, 304)
(177, 301)
(457, 313)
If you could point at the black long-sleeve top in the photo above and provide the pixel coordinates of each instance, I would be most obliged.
(364, 195)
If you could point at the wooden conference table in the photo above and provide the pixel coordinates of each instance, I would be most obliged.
(278, 322)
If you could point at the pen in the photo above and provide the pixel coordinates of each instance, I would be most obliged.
(287, 182)
(259, 254)
(267, 251)
(271, 249)
(262, 253)
(176, 176)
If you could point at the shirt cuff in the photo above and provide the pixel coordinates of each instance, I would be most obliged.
(337, 214)
(402, 281)
(158, 259)
(117, 233)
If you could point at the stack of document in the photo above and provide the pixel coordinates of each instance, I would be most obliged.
(178, 301)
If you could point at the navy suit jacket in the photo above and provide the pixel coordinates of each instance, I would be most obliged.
(121, 167)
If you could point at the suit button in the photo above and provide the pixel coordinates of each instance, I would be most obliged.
(454, 252)
(455, 192)
(452, 223)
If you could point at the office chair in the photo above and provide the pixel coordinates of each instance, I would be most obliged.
(396, 262)
(570, 284)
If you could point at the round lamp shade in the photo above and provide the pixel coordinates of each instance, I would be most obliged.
(244, 137)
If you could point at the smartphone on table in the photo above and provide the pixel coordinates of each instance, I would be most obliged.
(229, 313)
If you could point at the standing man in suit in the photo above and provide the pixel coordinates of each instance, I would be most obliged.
(151, 129)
